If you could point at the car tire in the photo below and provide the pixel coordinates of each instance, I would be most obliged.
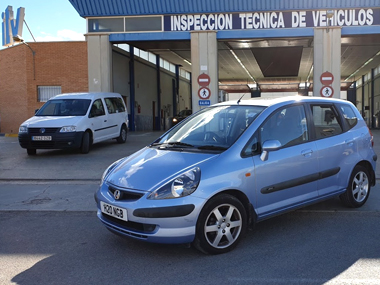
(31, 151)
(122, 138)
(358, 188)
(221, 224)
(85, 146)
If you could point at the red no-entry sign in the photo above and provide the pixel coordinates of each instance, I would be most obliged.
(204, 80)
(327, 78)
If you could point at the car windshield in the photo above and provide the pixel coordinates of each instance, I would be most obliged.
(214, 128)
(64, 107)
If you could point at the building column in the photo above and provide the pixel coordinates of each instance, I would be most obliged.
(204, 59)
(99, 51)
(327, 58)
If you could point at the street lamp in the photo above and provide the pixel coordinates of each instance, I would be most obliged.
(19, 39)
(329, 15)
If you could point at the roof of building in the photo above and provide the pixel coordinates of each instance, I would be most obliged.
(97, 8)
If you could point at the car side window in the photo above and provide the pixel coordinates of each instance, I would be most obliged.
(97, 108)
(119, 105)
(349, 115)
(110, 106)
(325, 121)
(287, 125)
(114, 105)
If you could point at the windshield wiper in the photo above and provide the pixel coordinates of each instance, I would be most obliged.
(180, 144)
(172, 144)
(212, 147)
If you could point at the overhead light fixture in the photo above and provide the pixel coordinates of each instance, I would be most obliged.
(304, 85)
(310, 72)
(242, 65)
(329, 14)
(181, 57)
(253, 86)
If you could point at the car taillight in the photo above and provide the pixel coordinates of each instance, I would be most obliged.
(372, 142)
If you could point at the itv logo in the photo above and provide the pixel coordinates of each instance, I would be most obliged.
(11, 27)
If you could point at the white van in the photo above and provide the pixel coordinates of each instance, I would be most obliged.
(75, 120)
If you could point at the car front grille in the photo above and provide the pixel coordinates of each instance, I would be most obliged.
(124, 194)
(34, 131)
(131, 226)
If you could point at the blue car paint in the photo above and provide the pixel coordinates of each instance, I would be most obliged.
(321, 167)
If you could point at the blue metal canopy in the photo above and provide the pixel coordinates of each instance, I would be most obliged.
(99, 8)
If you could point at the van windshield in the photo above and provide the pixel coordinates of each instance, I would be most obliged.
(64, 107)
(214, 128)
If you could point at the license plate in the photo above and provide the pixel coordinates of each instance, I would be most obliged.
(41, 138)
(116, 212)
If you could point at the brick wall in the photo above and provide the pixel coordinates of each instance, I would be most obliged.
(55, 64)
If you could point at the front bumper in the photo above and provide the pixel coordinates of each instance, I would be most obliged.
(58, 140)
(158, 221)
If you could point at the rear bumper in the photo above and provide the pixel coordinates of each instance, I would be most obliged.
(58, 141)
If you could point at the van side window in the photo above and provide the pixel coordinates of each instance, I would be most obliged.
(325, 121)
(114, 105)
(287, 125)
(118, 102)
(97, 109)
(349, 115)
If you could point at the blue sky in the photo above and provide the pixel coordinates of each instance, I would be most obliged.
(54, 20)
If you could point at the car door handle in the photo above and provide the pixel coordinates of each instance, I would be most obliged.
(105, 121)
(307, 152)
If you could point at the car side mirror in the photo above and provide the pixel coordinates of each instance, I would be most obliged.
(269, 145)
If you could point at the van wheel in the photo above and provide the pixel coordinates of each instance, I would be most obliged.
(85, 147)
(31, 151)
(358, 188)
(122, 138)
(221, 224)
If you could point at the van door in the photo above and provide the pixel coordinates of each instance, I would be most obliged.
(116, 115)
(288, 176)
(98, 121)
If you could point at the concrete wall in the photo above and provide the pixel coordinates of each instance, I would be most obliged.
(56, 64)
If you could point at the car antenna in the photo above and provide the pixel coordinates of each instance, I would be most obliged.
(240, 98)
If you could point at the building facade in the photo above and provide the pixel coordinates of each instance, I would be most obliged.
(29, 72)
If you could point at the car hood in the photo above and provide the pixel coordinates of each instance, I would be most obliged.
(150, 168)
(51, 121)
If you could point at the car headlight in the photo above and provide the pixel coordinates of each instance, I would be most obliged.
(23, 129)
(175, 120)
(181, 186)
(68, 129)
(108, 170)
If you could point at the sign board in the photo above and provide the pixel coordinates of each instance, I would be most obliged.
(204, 102)
(204, 93)
(327, 78)
(12, 26)
(257, 20)
(327, 91)
(204, 80)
